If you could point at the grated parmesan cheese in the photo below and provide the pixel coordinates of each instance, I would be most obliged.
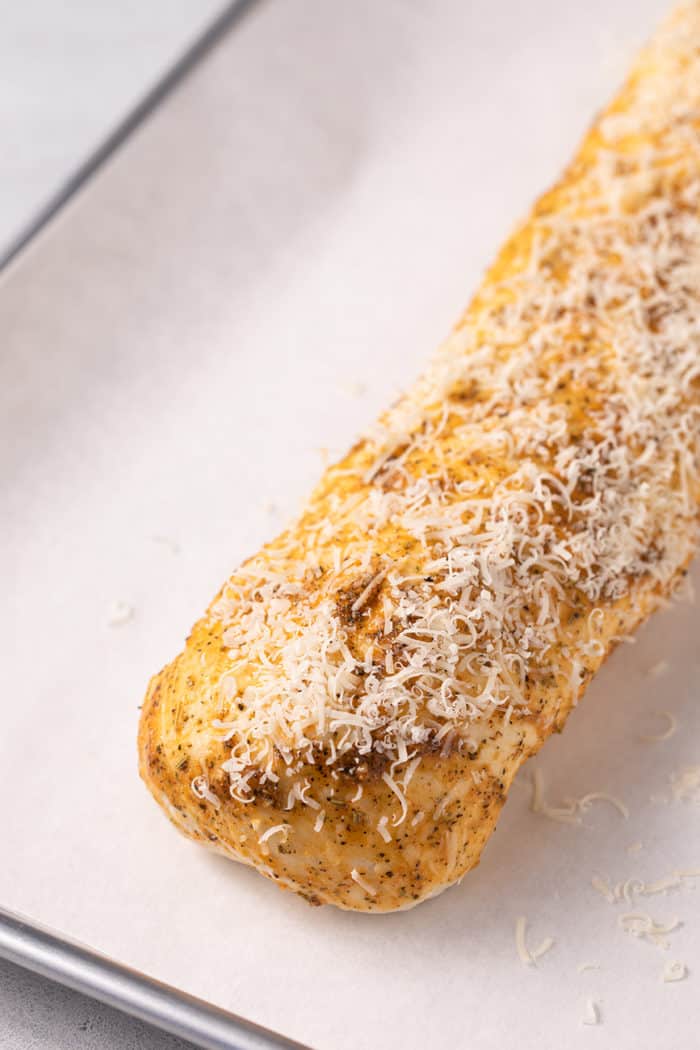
(383, 829)
(603, 888)
(200, 788)
(564, 815)
(529, 957)
(391, 783)
(685, 784)
(355, 389)
(591, 1014)
(363, 883)
(561, 508)
(120, 613)
(546, 945)
(629, 888)
(569, 812)
(674, 971)
(603, 796)
(645, 927)
(520, 945)
(671, 728)
(277, 829)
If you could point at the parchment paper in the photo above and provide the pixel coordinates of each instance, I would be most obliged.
(308, 213)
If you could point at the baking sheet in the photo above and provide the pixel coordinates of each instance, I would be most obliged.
(254, 276)
(49, 121)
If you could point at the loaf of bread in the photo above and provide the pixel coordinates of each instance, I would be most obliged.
(349, 714)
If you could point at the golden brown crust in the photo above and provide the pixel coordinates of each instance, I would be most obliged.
(460, 814)
(359, 850)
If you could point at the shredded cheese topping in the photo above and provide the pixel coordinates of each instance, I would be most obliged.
(278, 829)
(542, 472)
(200, 788)
(363, 883)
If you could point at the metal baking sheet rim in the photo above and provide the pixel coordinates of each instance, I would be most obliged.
(22, 941)
(49, 954)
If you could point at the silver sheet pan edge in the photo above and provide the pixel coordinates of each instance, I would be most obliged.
(164, 86)
(51, 955)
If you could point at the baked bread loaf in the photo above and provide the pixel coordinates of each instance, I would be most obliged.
(349, 714)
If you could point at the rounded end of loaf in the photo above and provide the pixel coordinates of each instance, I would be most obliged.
(368, 845)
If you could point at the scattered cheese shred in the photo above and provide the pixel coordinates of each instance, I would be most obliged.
(659, 669)
(529, 957)
(543, 948)
(591, 1014)
(671, 728)
(627, 889)
(584, 967)
(564, 815)
(120, 613)
(685, 784)
(383, 829)
(363, 883)
(603, 888)
(674, 971)
(355, 389)
(368, 592)
(520, 945)
(645, 927)
(393, 786)
(200, 788)
(277, 829)
(448, 798)
(569, 812)
(320, 818)
(669, 882)
(603, 796)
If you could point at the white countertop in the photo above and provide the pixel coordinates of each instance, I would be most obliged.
(36, 1014)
